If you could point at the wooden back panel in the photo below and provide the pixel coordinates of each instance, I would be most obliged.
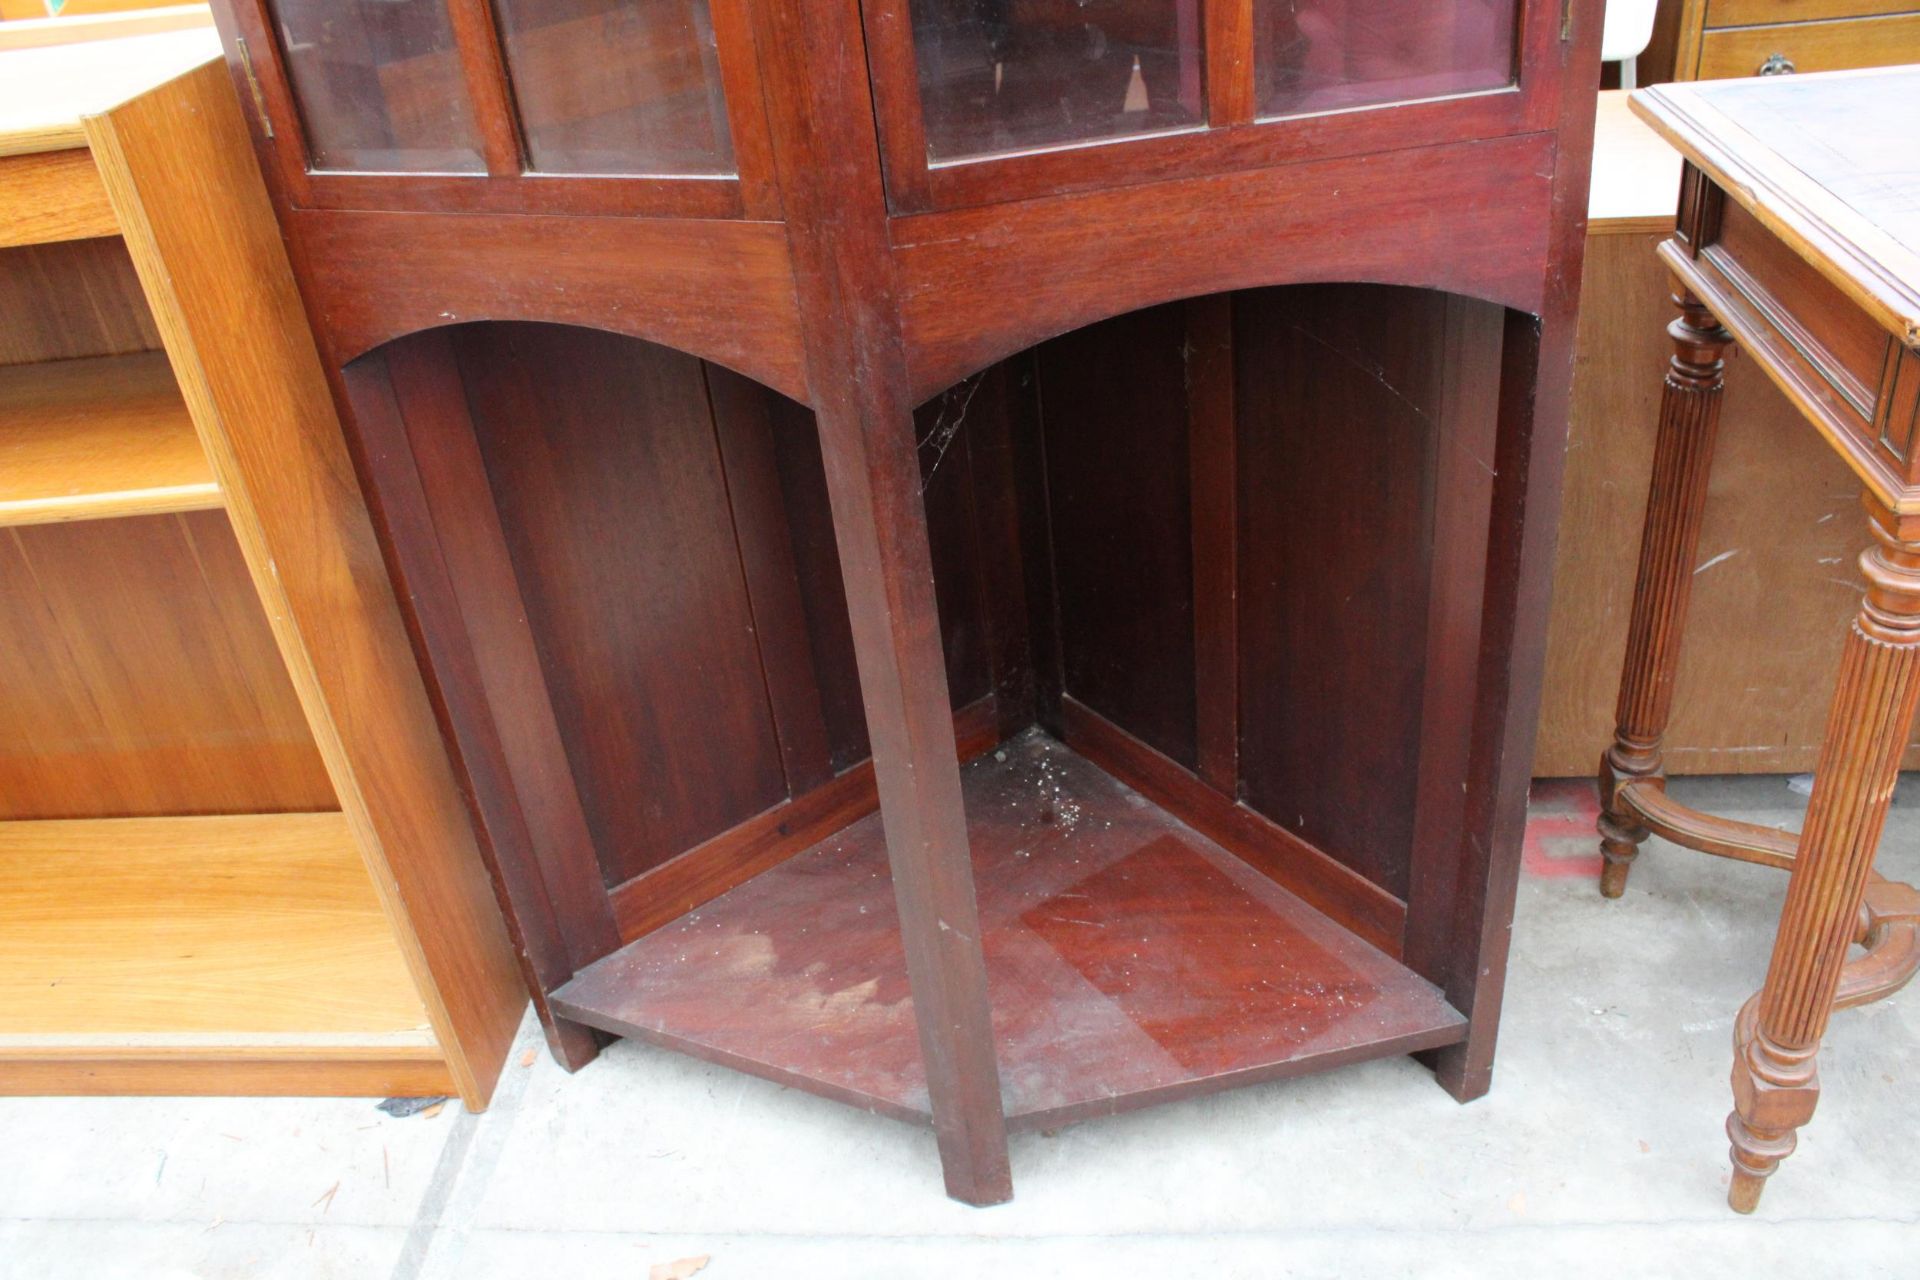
(141, 678)
(1113, 407)
(664, 539)
(1354, 416)
(1340, 422)
(664, 527)
(71, 299)
(606, 467)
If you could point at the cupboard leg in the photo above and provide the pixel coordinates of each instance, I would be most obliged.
(1777, 1038)
(873, 480)
(1460, 920)
(844, 271)
(1676, 498)
(572, 1044)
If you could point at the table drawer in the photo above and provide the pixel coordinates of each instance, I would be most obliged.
(1753, 13)
(1842, 368)
(1845, 347)
(1811, 46)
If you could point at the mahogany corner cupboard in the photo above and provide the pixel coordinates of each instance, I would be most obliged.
(981, 558)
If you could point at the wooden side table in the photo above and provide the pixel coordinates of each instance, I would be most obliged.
(1798, 236)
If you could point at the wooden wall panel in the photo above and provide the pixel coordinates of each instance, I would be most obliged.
(140, 677)
(608, 476)
(71, 299)
(1775, 585)
(1338, 390)
(1003, 452)
(816, 559)
(946, 427)
(1212, 449)
(750, 458)
(949, 427)
(1114, 414)
(665, 530)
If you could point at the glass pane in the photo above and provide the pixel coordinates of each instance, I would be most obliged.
(1322, 55)
(617, 86)
(379, 85)
(1002, 75)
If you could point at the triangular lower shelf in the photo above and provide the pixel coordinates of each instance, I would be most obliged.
(1130, 960)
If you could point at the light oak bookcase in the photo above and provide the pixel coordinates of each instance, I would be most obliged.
(232, 857)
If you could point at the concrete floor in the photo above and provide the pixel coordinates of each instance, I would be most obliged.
(1599, 1152)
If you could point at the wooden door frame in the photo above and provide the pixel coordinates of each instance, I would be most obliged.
(508, 185)
(1232, 137)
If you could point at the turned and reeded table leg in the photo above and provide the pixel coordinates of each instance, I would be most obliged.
(1676, 497)
(1775, 1084)
(1790, 253)
(1834, 900)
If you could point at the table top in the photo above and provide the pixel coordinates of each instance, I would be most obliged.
(45, 90)
(1830, 163)
(1636, 174)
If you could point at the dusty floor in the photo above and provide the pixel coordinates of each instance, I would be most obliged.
(1599, 1152)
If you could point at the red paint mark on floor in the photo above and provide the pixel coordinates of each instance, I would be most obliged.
(1561, 840)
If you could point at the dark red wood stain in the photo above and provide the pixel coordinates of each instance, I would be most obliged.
(603, 460)
(946, 489)
(1140, 959)
(1190, 486)
(1113, 404)
(816, 561)
(1339, 391)
(1129, 959)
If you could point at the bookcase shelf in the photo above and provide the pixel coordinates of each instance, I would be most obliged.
(93, 438)
(160, 949)
(1131, 960)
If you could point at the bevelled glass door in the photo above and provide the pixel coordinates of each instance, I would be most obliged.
(572, 106)
(1034, 73)
(616, 86)
(379, 86)
(985, 100)
(1330, 55)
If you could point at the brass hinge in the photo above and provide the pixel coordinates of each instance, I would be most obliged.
(253, 84)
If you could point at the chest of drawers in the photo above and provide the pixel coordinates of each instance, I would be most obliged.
(1726, 39)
